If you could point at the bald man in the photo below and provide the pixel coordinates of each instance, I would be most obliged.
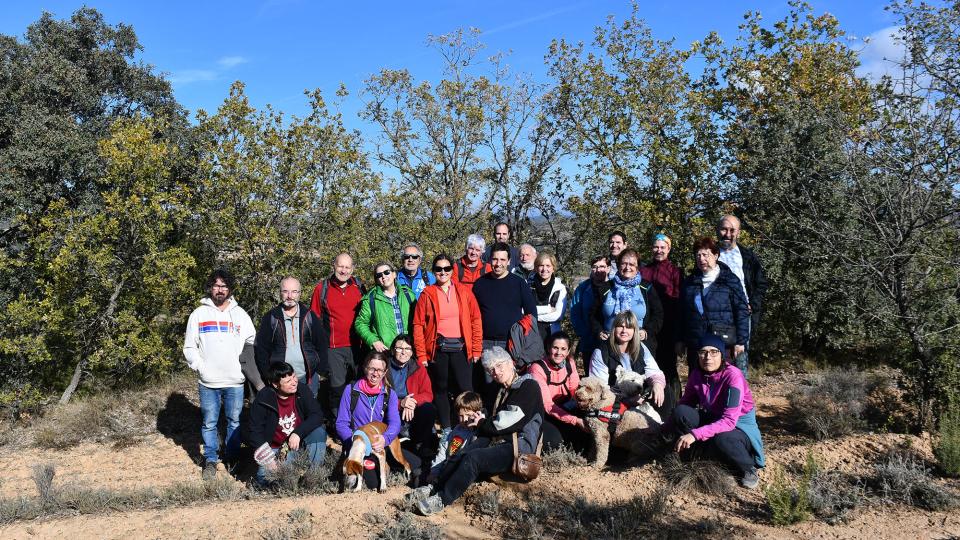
(745, 264)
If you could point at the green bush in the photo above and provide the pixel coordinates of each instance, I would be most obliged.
(947, 448)
(789, 503)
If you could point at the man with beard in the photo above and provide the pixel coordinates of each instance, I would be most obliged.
(335, 301)
(616, 242)
(525, 269)
(746, 266)
(217, 343)
(502, 233)
(585, 313)
(293, 334)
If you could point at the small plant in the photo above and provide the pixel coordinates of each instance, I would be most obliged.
(698, 475)
(43, 479)
(486, 504)
(300, 476)
(947, 448)
(405, 526)
(299, 525)
(562, 458)
(789, 503)
(901, 477)
(833, 494)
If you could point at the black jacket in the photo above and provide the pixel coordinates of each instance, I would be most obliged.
(270, 344)
(264, 415)
(756, 283)
(724, 305)
(523, 396)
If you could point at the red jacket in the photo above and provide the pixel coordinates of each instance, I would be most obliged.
(470, 275)
(418, 384)
(425, 322)
(339, 312)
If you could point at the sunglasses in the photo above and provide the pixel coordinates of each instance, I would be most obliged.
(408, 256)
(386, 272)
(442, 269)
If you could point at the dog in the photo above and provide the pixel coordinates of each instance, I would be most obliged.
(630, 388)
(361, 448)
(624, 427)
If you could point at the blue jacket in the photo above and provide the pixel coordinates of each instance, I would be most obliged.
(582, 317)
(652, 319)
(724, 305)
(418, 282)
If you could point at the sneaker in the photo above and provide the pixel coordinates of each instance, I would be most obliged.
(750, 479)
(431, 505)
(414, 496)
(209, 470)
(404, 434)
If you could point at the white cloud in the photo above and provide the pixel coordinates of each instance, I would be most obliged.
(188, 76)
(882, 53)
(228, 62)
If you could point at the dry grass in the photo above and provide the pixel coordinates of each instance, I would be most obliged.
(702, 476)
(299, 524)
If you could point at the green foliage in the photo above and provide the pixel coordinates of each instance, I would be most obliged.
(789, 502)
(947, 448)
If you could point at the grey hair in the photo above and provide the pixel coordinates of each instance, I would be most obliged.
(476, 240)
(494, 356)
(411, 245)
(525, 245)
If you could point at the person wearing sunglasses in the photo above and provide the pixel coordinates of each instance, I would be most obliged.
(411, 274)
(385, 311)
(447, 336)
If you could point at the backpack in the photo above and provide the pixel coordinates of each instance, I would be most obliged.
(323, 297)
(355, 397)
(563, 383)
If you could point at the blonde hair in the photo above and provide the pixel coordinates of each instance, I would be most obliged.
(626, 319)
(468, 401)
(548, 256)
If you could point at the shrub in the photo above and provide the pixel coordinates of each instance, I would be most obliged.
(299, 525)
(947, 448)
(789, 503)
(119, 417)
(698, 475)
(405, 526)
(902, 477)
(562, 458)
(300, 476)
(832, 494)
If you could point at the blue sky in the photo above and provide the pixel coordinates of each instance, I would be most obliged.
(281, 47)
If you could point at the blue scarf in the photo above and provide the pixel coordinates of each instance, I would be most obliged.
(624, 292)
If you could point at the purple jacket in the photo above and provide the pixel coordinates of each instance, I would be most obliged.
(724, 395)
(348, 421)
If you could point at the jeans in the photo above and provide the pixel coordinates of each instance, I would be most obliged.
(231, 398)
(314, 444)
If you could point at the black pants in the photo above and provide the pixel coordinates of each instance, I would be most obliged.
(667, 360)
(450, 374)
(732, 447)
(421, 427)
(669, 402)
(466, 466)
(557, 433)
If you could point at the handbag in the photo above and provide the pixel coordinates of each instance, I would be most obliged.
(527, 466)
(725, 332)
(449, 345)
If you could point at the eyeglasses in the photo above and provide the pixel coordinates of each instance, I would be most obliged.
(442, 269)
(709, 352)
(408, 256)
(403, 349)
(386, 272)
(222, 287)
(375, 370)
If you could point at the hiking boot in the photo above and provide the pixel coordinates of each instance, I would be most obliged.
(429, 506)
(209, 470)
(414, 496)
(750, 479)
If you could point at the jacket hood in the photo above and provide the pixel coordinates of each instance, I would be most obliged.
(231, 303)
(516, 384)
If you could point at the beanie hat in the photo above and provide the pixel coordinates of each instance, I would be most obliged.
(710, 340)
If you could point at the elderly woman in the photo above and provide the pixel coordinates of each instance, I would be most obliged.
(624, 348)
(712, 303)
(370, 399)
(414, 397)
(558, 379)
(385, 311)
(518, 410)
(550, 294)
(666, 278)
(717, 411)
(629, 292)
(471, 266)
(447, 336)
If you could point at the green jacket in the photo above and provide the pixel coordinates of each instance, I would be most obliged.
(380, 324)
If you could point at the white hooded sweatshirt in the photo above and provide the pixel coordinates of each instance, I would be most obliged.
(214, 340)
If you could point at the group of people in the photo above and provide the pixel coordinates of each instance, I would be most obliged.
(466, 363)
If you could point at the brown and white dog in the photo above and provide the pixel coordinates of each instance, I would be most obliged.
(361, 448)
(624, 427)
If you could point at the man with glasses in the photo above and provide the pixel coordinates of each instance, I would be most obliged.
(411, 274)
(293, 334)
(217, 344)
(335, 301)
(588, 298)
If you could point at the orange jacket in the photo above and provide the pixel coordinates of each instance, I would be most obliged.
(425, 322)
(466, 275)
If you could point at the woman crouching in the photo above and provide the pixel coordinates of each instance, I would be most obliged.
(518, 410)
(717, 412)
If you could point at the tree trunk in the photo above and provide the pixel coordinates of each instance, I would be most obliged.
(78, 371)
(74, 381)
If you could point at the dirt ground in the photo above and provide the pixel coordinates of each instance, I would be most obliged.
(171, 455)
